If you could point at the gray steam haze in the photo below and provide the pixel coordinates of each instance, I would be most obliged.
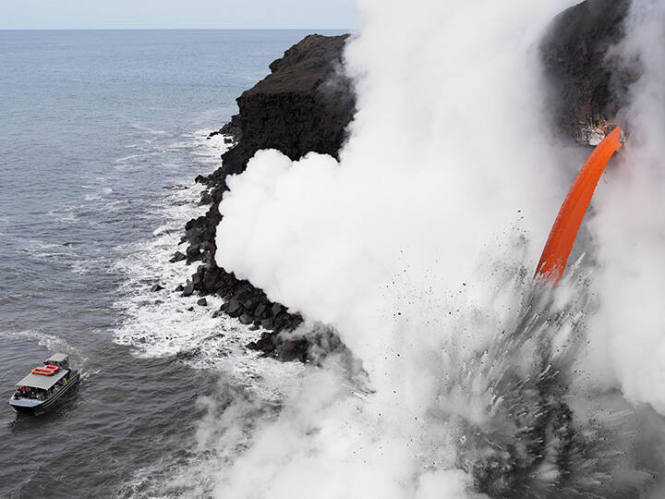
(418, 248)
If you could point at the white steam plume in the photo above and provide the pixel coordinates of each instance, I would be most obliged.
(447, 147)
(630, 225)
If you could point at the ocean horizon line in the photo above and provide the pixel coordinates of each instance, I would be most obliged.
(178, 29)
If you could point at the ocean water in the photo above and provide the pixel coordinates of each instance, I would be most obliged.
(102, 135)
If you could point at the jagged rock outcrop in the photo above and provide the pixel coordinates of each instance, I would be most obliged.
(589, 84)
(304, 105)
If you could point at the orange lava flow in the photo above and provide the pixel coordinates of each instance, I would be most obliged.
(567, 224)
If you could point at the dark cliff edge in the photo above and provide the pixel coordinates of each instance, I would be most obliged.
(589, 83)
(306, 104)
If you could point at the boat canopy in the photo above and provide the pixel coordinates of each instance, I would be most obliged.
(57, 358)
(43, 382)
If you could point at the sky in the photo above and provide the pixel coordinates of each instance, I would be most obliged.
(173, 14)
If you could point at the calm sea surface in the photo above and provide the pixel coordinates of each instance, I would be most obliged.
(102, 134)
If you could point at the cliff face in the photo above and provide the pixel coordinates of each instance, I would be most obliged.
(304, 105)
(588, 84)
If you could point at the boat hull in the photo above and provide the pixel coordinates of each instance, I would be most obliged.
(37, 407)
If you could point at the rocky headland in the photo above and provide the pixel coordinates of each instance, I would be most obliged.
(306, 103)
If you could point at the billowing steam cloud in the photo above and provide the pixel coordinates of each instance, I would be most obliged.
(416, 247)
(630, 225)
(448, 151)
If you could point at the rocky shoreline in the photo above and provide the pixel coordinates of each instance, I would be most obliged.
(306, 104)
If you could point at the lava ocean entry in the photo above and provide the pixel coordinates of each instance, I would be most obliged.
(462, 375)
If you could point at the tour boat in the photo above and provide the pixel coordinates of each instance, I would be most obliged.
(45, 386)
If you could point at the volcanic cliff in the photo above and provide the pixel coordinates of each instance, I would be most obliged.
(304, 105)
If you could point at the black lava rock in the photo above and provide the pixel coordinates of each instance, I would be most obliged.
(188, 290)
(178, 257)
(246, 319)
(265, 344)
(304, 105)
(194, 252)
(233, 308)
(588, 86)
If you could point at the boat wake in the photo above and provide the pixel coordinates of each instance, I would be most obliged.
(51, 344)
